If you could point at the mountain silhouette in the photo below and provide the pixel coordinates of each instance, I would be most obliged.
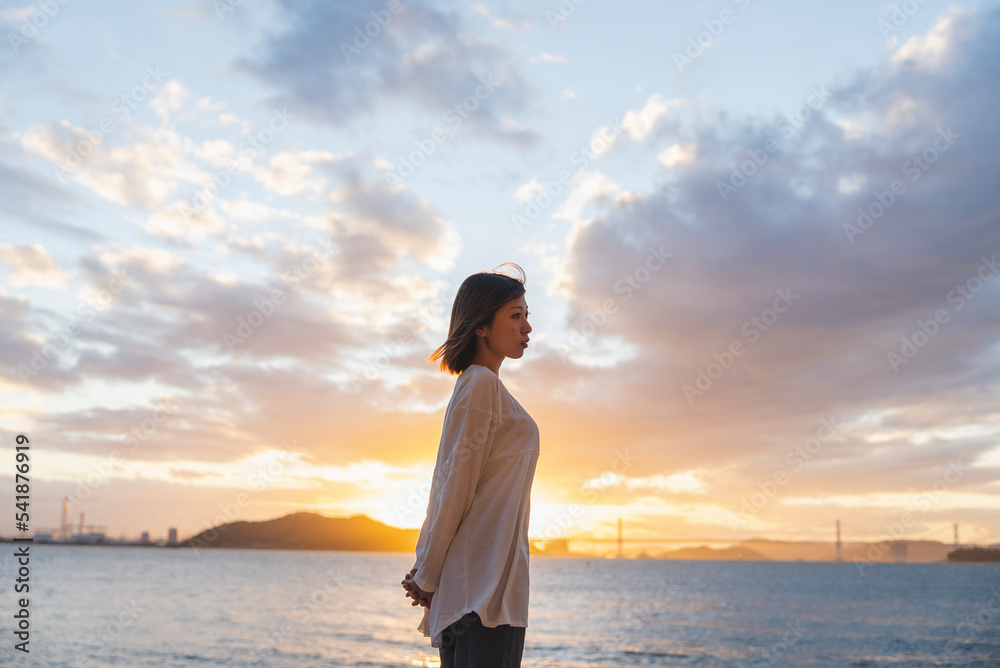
(308, 531)
(980, 554)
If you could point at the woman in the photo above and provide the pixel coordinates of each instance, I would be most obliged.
(471, 572)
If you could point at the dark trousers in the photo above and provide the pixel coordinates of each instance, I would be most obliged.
(468, 644)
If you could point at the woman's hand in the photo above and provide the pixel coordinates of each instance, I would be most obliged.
(419, 596)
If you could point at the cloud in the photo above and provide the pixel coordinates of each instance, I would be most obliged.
(505, 25)
(287, 172)
(377, 226)
(216, 152)
(21, 349)
(32, 266)
(323, 65)
(587, 187)
(245, 209)
(168, 100)
(546, 57)
(926, 52)
(786, 228)
(34, 202)
(144, 173)
(677, 154)
(181, 225)
(639, 123)
(206, 105)
(357, 252)
(353, 278)
(16, 14)
(527, 192)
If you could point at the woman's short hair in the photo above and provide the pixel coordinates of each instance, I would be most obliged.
(476, 303)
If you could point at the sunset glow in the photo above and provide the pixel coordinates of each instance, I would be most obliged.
(760, 304)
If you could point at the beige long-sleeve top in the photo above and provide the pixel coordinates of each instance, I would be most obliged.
(472, 551)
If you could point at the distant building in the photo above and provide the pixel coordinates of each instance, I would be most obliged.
(145, 538)
(43, 537)
(91, 538)
(172, 538)
(556, 547)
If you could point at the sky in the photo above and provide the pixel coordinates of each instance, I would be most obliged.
(759, 242)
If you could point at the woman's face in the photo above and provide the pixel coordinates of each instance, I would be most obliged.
(508, 334)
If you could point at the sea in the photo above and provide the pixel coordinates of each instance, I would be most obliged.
(134, 606)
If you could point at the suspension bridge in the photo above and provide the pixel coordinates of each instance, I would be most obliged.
(653, 535)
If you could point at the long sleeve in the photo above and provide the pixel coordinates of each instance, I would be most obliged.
(472, 550)
(466, 441)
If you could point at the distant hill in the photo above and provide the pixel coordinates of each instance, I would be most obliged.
(979, 554)
(736, 552)
(309, 531)
(760, 549)
(917, 551)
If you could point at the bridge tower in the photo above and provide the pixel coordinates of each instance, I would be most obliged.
(620, 554)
